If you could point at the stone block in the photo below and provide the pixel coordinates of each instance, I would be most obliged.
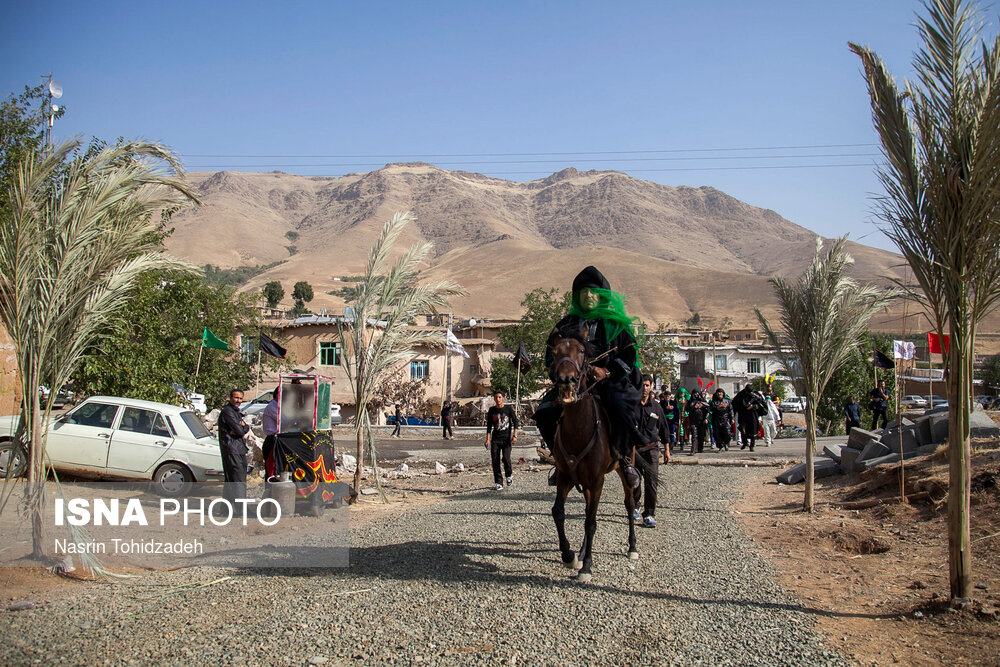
(822, 467)
(939, 427)
(873, 450)
(849, 460)
(889, 458)
(908, 436)
(924, 434)
(859, 438)
(833, 451)
(891, 426)
(937, 411)
(982, 426)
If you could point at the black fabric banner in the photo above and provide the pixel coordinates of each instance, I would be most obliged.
(882, 361)
(521, 359)
(268, 346)
(310, 458)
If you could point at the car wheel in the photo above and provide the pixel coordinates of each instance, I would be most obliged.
(172, 480)
(12, 458)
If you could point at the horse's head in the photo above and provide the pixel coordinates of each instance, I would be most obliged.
(570, 351)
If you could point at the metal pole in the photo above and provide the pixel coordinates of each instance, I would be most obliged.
(197, 367)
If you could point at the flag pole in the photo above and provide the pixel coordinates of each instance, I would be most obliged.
(899, 429)
(517, 388)
(258, 369)
(196, 369)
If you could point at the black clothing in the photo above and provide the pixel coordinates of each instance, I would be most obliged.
(590, 277)
(879, 406)
(698, 415)
(651, 423)
(853, 413)
(501, 422)
(722, 419)
(232, 430)
(750, 407)
(648, 461)
(500, 449)
(446, 422)
(399, 422)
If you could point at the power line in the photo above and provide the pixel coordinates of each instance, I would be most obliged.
(399, 156)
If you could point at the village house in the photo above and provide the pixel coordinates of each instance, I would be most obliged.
(729, 366)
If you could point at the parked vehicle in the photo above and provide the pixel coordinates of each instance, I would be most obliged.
(62, 398)
(125, 438)
(936, 402)
(335, 417)
(913, 402)
(985, 401)
(190, 399)
(793, 404)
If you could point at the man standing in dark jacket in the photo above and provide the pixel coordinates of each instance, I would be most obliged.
(501, 433)
(698, 413)
(652, 426)
(853, 413)
(232, 430)
(749, 404)
(723, 423)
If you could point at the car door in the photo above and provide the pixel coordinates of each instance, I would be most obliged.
(141, 439)
(81, 439)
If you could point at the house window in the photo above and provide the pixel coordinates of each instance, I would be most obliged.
(753, 366)
(473, 369)
(720, 362)
(419, 369)
(329, 354)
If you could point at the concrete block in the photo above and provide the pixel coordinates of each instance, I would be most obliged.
(891, 426)
(873, 450)
(889, 458)
(982, 426)
(849, 460)
(939, 427)
(833, 451)
(908, 437)
(924, 434)
(822, 467)
(937, 411)
(793, 475)
(859, 438)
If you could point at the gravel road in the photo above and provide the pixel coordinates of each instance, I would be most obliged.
(474, 579)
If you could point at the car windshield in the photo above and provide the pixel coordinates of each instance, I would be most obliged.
(195, 425)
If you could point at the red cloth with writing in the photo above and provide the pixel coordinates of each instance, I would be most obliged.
(934, 343)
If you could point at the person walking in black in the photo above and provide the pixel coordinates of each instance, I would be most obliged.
(652, 426)
(879, 404)
(501, 433)
(723, 425)
(232, 430)
(397, 432)
(853, 413)
(447, 432)
(750, 407)
(698, 414)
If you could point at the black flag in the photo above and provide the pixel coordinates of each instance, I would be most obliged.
(521, 359)
(882, 361)
(268, 346)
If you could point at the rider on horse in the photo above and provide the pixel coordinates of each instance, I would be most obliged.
(599, 314)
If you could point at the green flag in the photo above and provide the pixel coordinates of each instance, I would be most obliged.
(209, 339)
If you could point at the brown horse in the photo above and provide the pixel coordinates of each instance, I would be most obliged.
(582, 453)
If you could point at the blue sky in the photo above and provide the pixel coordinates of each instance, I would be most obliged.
(511, 89)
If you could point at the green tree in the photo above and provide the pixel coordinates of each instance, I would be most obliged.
(292, 236)
(303, 294)
(70, 257)
(990, 374)
(940, 137)
(273, 293)
(22, 133)
(826, 315)
(856, 377)
(780, 387)
(394, 296)
(158, 337)
(542, 309)
(657, 355)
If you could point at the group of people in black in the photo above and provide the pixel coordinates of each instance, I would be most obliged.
(718, 420)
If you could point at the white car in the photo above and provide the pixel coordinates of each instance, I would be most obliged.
(191, 399)
(913, 402)
(793, 404)
(125, 438)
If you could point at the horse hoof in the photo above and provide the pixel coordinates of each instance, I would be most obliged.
(574, 564)
(633, 555)
(583, 577)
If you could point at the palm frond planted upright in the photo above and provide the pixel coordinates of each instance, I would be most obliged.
(826, 315)
(75, 238)
(941, 139)
(375, 335)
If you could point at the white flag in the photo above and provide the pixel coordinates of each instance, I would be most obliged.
(455, 345)
(903, 349)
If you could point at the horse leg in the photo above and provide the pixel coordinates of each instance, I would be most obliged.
(593, 498)
(633, 554)
(569, 558)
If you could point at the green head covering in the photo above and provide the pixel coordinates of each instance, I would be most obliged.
(610, 308)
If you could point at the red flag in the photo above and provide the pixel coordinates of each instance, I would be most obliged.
(934, 343)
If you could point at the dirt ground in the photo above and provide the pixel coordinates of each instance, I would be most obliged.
(878, 577)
